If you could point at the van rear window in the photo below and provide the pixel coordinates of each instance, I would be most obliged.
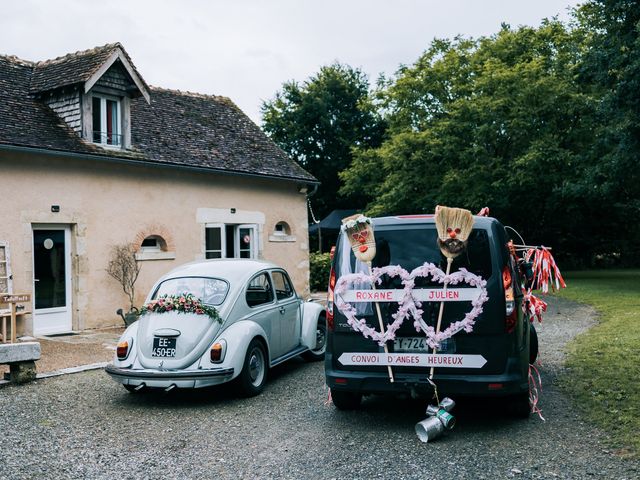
(412, 247)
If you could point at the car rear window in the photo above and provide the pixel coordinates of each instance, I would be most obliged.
(412, 246)
(211, 291)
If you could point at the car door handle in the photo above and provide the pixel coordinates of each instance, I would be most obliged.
(282, 310)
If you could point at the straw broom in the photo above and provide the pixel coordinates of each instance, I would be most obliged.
(454, 226)
(360, 233)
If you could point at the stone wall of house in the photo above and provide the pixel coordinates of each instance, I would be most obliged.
(67, 106)
(105, 204)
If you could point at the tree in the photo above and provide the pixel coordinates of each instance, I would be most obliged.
(124, 267)
(499, 121)
(319, 122)
(611, 67)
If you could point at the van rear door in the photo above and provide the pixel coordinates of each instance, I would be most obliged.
(411, 245)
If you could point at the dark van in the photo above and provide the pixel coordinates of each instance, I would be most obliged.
(502, 333)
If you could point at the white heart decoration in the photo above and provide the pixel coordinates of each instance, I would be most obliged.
(408, 305)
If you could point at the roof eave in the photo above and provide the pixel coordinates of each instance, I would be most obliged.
(148, 163)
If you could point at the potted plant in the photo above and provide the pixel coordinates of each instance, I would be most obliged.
(125, 268)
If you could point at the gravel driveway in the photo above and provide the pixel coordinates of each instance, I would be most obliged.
(87, 426)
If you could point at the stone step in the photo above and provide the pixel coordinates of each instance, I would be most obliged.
(19, 352)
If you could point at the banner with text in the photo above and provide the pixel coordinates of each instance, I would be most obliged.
(419, 294)
(413, 360)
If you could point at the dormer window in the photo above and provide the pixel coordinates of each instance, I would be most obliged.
(107, 129)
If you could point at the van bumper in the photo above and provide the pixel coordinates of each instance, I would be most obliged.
(512, 381)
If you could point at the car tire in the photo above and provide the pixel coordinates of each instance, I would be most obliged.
(533, 344)
(321, 338)
(518, 406)
(346, 400)
(253, 377)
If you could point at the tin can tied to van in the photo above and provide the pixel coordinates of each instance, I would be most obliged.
(438, 420)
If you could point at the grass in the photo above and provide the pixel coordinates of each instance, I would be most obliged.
(603, 373)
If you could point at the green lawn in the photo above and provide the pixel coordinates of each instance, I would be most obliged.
(604, 363)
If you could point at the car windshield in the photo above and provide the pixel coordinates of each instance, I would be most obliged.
(211, 291)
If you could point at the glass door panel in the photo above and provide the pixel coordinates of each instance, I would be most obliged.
(49, 268)
(246, 240)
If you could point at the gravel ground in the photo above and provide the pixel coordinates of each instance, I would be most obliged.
(87, 426)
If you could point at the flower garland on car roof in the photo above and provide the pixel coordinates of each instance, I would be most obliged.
(183, 303)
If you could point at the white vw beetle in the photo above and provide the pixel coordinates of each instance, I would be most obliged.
(245, 318)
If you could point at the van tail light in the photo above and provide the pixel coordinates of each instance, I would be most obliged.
(511, 315)
(332, 285)
(122, 350)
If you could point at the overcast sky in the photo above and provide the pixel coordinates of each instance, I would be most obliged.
(246, 49)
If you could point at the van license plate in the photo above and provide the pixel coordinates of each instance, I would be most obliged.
(164, 347)
(410, 344)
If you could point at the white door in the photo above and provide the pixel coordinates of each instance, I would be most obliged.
(51, 280)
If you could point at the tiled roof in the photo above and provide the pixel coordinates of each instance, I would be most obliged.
(207, 131)
(25, 121)
(70, 69)
(176, 128)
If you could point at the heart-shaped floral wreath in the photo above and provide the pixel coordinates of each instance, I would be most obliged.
(408, 305)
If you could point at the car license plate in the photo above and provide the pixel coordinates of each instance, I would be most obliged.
(411, 344)
(164, 347)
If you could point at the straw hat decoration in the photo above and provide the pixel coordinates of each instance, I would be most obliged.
(360, 233)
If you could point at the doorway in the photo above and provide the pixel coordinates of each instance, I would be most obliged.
(51, 280)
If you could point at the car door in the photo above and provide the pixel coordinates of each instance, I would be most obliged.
(289, 309)
(260, 298)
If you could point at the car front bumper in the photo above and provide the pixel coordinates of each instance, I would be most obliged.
(167, 378)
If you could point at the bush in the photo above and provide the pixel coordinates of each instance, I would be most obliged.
(320, 265)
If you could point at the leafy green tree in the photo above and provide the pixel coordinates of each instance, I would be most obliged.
(319, 122)
(611, 67)
(499, 121)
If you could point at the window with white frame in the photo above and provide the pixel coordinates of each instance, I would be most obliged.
(230, 241)
(107, 128)
(5, 269)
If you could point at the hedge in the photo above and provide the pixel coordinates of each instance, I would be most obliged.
(320, 265)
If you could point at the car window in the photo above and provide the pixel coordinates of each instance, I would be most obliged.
(413, 246)
(211, 291)
(259, 291)
(282, 285)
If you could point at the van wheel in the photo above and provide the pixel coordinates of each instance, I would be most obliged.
(346, 400)
(254, 371)
(518, 406)
(317, 354)
(533, 344)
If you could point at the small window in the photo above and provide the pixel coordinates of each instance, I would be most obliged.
(259, 291)
(106, 121)
(282, 228)
(282, 285)
(153, 243)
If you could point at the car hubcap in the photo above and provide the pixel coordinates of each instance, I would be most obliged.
(320, 340)
(256, 367)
